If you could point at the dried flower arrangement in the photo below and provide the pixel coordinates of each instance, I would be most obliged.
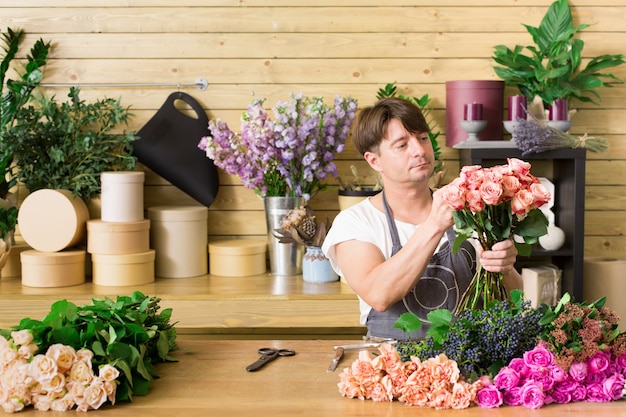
(300, 226)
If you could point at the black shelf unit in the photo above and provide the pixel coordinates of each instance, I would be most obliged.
(568, 176)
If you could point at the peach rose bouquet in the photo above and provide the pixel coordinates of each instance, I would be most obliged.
(493, 204)
(434, 383)
(58, 380)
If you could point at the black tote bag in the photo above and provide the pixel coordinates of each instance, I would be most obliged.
(168, 145)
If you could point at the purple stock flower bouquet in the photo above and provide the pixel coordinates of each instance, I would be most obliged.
(288, 156)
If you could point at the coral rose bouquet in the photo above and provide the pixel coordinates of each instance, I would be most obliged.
(288, 156)
(493, 204)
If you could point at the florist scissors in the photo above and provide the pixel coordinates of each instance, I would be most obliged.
(268, 355)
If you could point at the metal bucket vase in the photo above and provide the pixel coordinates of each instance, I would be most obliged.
(285, 258)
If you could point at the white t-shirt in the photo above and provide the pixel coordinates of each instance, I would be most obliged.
(365, 223)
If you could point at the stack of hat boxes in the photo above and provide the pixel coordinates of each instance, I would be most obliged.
(119, 242)
(52, 222)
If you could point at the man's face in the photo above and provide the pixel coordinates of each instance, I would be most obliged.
(403, 156)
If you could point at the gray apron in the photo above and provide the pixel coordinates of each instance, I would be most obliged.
(441, 286)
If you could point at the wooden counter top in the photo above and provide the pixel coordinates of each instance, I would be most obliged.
(210, 380)
(257, 306)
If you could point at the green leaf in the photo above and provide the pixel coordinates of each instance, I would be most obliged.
(407, 322)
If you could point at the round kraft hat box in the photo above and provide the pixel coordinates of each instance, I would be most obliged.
(52, 220)
(117, 238)
(53, 269)
(237, 257)
(121, 197)
(180, 237)
(123, 270)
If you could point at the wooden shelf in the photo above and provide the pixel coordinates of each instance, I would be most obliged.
(212, 305)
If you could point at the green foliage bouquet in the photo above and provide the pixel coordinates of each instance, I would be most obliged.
(130, 334)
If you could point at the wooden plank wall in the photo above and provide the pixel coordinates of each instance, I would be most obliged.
(269, 48)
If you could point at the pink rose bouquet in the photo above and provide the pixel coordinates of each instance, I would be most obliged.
(494, 204)
(538, 380)
(434, 383)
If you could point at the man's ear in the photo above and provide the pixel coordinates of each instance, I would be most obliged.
(373, 159)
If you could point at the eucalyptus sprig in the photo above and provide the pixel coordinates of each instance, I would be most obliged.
(130, 333)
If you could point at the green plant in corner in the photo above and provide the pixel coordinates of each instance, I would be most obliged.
(423, 103)
(551, 70)
(68, 145)
(14, 94)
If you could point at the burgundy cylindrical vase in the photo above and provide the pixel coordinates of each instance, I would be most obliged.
(489, 93)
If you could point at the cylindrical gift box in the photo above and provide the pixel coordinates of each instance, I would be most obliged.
(179, 236)
(237, 257)
(52, 220)
(123, 270)
(604, 277)
(122, 196)
(117, 238)
(489, 93)
(13, 267)
(53, 269)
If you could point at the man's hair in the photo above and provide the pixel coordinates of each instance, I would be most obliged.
(370, 127)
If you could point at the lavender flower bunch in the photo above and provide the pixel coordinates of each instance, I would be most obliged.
(291, 155)
(530, 136)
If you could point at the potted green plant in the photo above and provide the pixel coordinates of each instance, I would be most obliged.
(68, 145)
(551, 68)
(356, 190)
(14, 94)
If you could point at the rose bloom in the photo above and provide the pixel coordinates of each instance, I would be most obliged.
(107, 372)
(27, 351)
(520, 366)
(474, 201)
(84, 355)
(532, 395)
(614, 387)
(518, 167)
(540, 194)
(42, 368)
(561, 397)
(539, 357)
(82, 373)
(597, 394)
(22, 337)
(7, 356)
(599, 362)
(65, 356)
(579, 393)
(491, 192)
(469, 174)
(55, 384)
(41, 402)
(510, 186)
(454, 194)
(512, 396)
(507, 378)
(63, 404)
(95, 395)
(620, 361)
(522, 203)
(489, 397)
(110, 387)
(578, 371)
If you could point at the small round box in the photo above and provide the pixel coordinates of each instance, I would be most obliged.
(118, 238)
(53, 269)
(123, 270)
(237, 257)
(52, 220)
(179, 236)
(121, 198)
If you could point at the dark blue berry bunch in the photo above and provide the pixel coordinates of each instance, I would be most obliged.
(481, 341)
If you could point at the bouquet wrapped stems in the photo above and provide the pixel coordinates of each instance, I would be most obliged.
(485, 286)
